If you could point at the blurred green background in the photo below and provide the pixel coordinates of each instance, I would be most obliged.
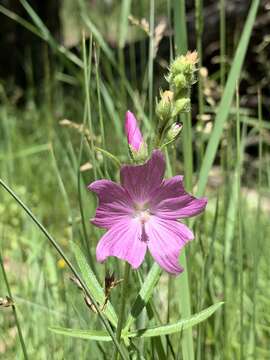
(60, 98)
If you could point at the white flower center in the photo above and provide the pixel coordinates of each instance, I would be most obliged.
(142, 213)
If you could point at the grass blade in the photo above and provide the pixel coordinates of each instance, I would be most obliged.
(98, 37)
(125, 11)
(224, 107)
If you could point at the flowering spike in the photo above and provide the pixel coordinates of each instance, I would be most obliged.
(134, 137)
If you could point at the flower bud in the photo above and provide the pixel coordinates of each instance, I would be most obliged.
(181, 105)
(137, 146)
(164, 107)
(133, 133)
(174, 131)
(184, 65)
(179, 82)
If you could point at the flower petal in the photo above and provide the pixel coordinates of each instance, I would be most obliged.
(165, 239)
(132, 130)
(141, 181)
(124, 240)
(171, 201)
(114, 203)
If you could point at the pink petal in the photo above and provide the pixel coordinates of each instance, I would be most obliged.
(171, 201)
(141, 181)
(133, 132)
(123, 240)
(165, 239)
(114, 203)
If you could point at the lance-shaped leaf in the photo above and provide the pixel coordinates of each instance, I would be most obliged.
(93, 285)
(168, 329)
(144, 295)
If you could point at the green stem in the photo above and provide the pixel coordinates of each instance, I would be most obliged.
(87, 67)
(122, 306)
(151, 59)
(240, 236)
(109, 155)
(199, 31)
(80, 184)
(256, 255)
(101, 122)
(14, 310)
(222, 42)
(183, 282)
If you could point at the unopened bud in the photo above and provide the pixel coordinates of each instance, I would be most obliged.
(137, 146)
(179, 82)
(164, 107)
(174, 131)
(181, 105)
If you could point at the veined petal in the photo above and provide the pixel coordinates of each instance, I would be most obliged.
(171, 201)
(114, 203)
(165, 239)
(169, 188)
(123, 240)
(141, 181)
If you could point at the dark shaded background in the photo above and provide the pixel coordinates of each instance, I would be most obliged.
(17, 43)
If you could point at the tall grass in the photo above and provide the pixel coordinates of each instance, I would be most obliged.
(152, 315)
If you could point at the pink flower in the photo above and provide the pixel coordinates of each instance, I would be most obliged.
(142, 213)
(134, 136)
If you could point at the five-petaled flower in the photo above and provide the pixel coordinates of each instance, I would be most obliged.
(143, 212)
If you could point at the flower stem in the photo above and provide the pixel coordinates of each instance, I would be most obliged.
(122, 307)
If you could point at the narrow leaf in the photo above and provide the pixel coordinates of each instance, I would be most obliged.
(144, 295)
(181, 325)
(93, 285)
(95, 335)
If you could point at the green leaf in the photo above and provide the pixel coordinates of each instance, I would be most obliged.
(225, 105)
(93, 285)
(181, 325)
(95, 335)
(144, 295)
